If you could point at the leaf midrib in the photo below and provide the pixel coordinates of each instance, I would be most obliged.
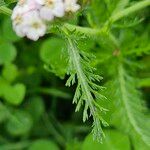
(127, 107)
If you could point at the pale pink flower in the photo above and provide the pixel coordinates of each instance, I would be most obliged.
(51, 9)
(71, 5)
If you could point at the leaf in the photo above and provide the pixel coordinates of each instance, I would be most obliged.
(51, 54)
(7, 32)
(7, 53)
(138, 143)
(14, 94)
(19, 123)
(86, 45)
(131, 42)
(88, 91)
(130, 111)
(114, 141)
(74, 145)
(10, 68)
(43, 144)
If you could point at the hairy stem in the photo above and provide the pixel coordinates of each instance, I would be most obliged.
(130, 10)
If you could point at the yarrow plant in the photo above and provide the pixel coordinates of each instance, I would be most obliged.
(112, 31)
(30, 17)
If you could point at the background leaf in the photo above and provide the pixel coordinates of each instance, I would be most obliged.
(114, 141)
(52, 54)
(19, 123)
(7, 53)
(43, 144)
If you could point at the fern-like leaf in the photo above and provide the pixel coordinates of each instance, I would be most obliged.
(87, 91)
(129, 107)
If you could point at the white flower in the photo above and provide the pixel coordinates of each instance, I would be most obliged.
(71, 5)
(30, 4)
(26, 20)
(33, 4)
(51, 9)
(29, 16)
(18, 19)
(34, 27)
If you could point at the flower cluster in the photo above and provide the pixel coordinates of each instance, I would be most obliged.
(29, 17)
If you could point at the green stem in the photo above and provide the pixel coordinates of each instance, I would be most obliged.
(130, 10)
(53, 131)
(85, 30)
(90, 32)
(52, 92)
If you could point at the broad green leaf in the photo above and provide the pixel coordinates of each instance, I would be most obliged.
(53, 54)
(114, 141)
(19, 123)
(10, 69)
(43, 144)
(7, 53)
(7, 30)
(15, 94)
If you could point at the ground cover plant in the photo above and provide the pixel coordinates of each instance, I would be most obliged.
(74, 75)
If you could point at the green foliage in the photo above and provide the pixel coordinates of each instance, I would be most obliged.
(108, 39)
(43, 144)
(19, 124)
(130, 102)
(51, 58)
(6, 72)
(7, 31)
(87, 92)
(36, 108)
(7, 53)
(114, 140)
(14, 94)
